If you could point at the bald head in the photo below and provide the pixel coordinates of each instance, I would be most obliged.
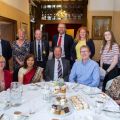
(38, 34)
(61, 28)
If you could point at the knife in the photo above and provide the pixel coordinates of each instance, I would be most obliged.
(1, 116)
(111, 111)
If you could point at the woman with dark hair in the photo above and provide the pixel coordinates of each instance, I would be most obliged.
(5, 75)
(109, 57)
(80, 40)
(29, 73)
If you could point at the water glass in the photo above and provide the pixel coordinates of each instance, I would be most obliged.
(15, 93)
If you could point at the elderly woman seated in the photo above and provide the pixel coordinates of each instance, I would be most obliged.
(113, 89)
(30, 73)
(5, 75)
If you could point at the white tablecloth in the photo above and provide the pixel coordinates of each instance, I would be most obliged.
(32, 102)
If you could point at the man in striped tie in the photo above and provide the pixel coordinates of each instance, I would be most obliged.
(57, 67)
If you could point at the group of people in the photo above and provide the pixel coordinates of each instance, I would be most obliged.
(72, 59)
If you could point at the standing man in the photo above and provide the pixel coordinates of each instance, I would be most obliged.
(5, 50)
(40, 48)
(64, 41)
(85, 71)
(57, 67)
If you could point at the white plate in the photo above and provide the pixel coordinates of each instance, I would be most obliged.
(91, 90)
(112, 114)
(32, 87)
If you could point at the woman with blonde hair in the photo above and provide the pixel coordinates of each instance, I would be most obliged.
(5, 75)
(20, 48)
(80, 40)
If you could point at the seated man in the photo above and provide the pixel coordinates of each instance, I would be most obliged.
(57, 67)
(85, 71)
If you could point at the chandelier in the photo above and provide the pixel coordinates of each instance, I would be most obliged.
(61, 13)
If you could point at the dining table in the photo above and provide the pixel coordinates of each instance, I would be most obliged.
(36, 106)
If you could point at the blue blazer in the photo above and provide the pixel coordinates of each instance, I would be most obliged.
(68, 43)
(89, 43)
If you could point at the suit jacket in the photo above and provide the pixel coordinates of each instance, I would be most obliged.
(89, 43)
(45, 49)
(68, 42)
(49, 71)
(6, 51)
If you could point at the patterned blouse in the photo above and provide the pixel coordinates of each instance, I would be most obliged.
(114, 88)
(19, 52)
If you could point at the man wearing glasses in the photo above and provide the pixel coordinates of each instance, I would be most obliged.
(85, 71)
(64, 41)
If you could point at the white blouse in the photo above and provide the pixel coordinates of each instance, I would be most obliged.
(22, 72)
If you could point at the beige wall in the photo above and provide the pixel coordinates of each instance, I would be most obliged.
(10, 11)
(104, 8)
(22, 5)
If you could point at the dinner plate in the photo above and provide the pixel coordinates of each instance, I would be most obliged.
(91, 91)
(112, 111)
(32, 87)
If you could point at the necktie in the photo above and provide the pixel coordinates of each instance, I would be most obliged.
(59, 69)
(39, 51)
(59, 40)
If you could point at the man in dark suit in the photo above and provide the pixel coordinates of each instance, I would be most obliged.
(57, 67)
(40, 48)
(5, 50)
(64, 41)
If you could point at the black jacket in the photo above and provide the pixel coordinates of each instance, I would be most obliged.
(68, 42)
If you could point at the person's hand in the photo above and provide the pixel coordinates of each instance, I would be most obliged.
(106, 72)
(21, 63)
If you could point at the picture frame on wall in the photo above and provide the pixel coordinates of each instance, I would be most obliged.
(99, 25)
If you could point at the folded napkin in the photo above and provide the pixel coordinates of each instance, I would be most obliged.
(102, 73)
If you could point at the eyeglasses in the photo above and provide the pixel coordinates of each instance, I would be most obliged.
(84, 51)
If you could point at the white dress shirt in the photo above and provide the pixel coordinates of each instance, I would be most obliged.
(39, 42)
(56, 68)
(0, 48)
(62, 44)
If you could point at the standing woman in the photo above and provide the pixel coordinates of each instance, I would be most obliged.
(20, 48)
(80, 40)
(109, 57)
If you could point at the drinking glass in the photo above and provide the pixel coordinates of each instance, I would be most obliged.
(15, 93)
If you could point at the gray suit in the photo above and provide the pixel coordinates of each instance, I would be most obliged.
(49, 71)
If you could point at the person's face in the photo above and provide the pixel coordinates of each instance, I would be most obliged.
(61, 28)
(107, 36)
(2, 65)
(21, 35)
(57, 53)
(83, 34)
(38, 35)
(30, 62)
(85, 53)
